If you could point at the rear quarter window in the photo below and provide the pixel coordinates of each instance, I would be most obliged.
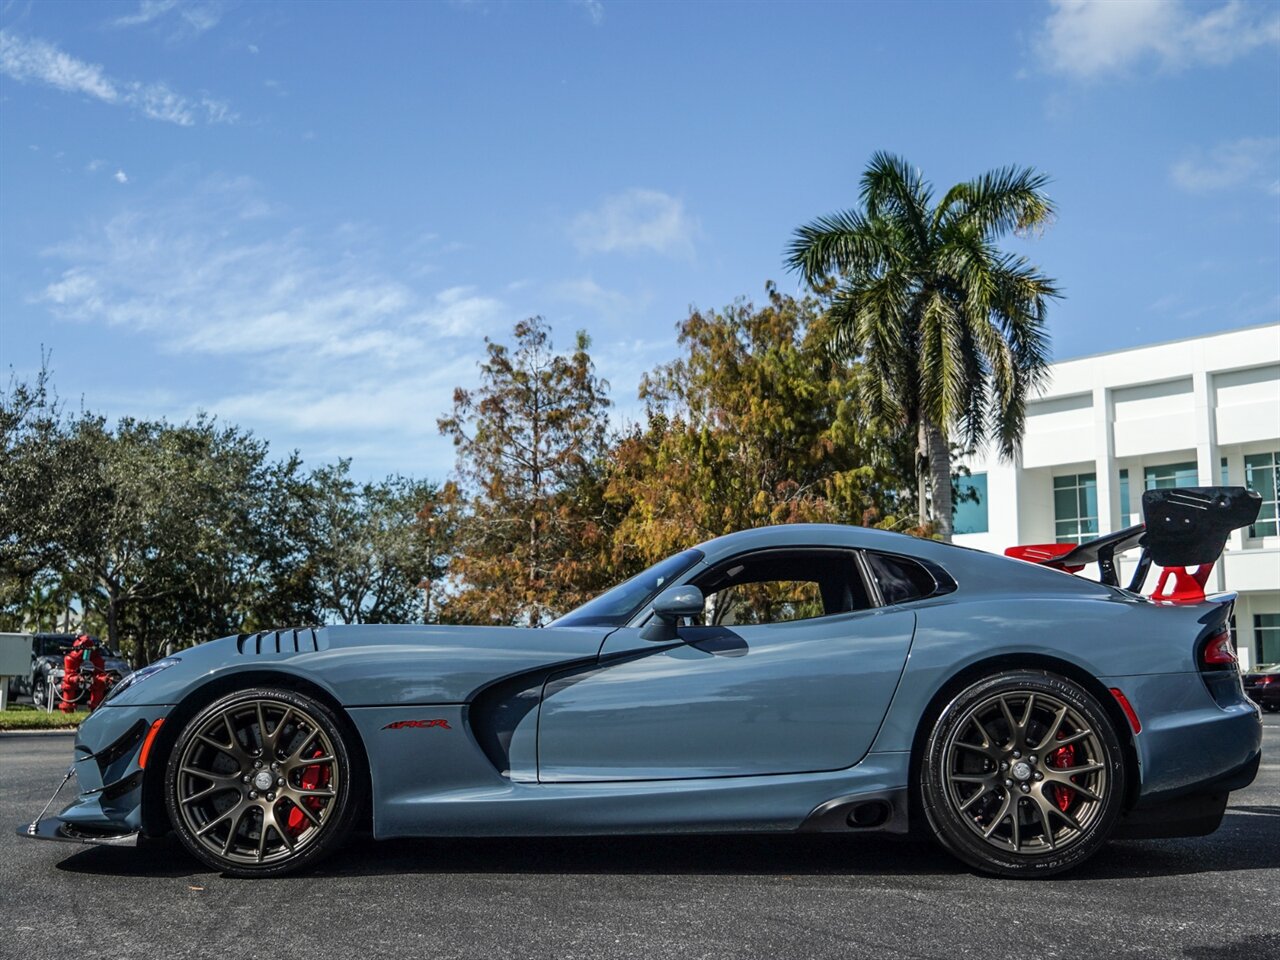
(900, 580)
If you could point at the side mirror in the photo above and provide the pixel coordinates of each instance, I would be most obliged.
(669, 607)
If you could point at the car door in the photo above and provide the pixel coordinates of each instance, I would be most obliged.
(793, 674)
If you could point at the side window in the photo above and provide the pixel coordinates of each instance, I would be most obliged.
(777, 586)
(900, 579)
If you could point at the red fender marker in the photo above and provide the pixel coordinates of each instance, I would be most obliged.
(401, 724)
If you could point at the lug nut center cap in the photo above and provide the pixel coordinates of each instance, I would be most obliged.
(263, 779)
(1021, 770)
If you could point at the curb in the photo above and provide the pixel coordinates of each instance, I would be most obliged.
(35, 733)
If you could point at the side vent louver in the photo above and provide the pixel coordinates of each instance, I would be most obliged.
(297, 640)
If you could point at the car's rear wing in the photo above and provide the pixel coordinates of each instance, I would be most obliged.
(1184, 527)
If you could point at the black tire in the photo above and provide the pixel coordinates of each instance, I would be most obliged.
(1023, 775)
(268, 758)
(40, 692)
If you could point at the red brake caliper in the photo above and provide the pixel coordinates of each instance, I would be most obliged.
(312, 779)
(1060, 759)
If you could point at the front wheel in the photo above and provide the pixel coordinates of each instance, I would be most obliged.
(1023, 775)
(260, 783)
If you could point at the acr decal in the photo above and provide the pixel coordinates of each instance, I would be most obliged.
(401, 724)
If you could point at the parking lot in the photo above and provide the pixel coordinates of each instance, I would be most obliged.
(765, 897)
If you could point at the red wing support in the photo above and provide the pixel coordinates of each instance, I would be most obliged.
(1185, 527)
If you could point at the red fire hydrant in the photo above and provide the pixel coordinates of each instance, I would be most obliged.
(83, 646)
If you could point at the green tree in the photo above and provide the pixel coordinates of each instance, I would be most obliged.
(951, 330)
(757, 423)
(530, 441)
(371, 557)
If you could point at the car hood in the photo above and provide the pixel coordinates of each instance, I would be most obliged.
(376, 665)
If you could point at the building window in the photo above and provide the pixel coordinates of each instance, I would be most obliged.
(1262, 475)
(1075, 507)
(1171, 475)
(1126, 513)
(1225, 481)
(1266, 630)
(970, 511)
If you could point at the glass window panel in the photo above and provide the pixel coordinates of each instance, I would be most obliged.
(971, 516)
(1170, 475)
(1262, 475)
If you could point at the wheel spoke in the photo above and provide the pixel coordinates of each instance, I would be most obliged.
(306, 812)
(999, 817)
(1048, 739)
(1065, 817)
(1013, 725)
(1017, 827)
(1042, 808)
(976, 748)
(1026, 713)
(982, 731)
(293, 760)
(977, 795)
(227, 844)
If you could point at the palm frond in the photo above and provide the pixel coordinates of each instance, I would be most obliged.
(998, 202)
(837, 242)
(894, 190)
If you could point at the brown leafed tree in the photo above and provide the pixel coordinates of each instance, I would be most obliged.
(757, 423)
(530, 440)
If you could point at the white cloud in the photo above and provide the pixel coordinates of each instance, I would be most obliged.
(121, 177)
(314, 341)
(147, 11)
(30, 60)
(190, 18)
(636, 220)
(594, 10)
(93, 166)
(585, 292)
(35, 60)
(461, 312)
(1252, 162)
(1091, 38)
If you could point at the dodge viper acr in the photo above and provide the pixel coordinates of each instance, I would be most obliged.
(790, 678)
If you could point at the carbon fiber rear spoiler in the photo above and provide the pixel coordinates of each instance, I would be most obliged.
(1184, 527)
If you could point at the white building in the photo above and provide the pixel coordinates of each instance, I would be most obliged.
(1198, 412)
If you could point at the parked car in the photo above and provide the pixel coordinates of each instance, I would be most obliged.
(47, 653)
(1263, 686)
(792, 678)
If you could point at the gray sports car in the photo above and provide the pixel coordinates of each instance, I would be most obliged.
(791, 678)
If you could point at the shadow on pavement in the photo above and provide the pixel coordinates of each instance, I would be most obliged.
(1257, 838)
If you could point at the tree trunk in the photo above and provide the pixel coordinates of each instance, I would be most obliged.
(922, 474)
(939, 453)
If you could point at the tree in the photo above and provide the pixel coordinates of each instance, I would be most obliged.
(530, 442)
(371, 558)
(757, 423)
(951, 330)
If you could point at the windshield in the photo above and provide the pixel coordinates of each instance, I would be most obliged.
(617, 606)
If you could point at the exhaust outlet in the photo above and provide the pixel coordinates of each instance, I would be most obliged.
(865, 816)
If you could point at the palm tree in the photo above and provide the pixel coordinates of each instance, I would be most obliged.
(950, 329)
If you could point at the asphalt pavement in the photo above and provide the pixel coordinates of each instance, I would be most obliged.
(687, 897)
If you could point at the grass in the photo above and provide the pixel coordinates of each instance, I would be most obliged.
(21, 716)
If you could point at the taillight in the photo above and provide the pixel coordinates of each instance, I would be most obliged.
(1263, 681)
(1219, 652)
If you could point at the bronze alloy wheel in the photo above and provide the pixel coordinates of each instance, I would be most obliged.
(1024, 770)
(259, 781)
(1023, 774)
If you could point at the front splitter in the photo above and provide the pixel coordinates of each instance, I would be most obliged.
(52, 828)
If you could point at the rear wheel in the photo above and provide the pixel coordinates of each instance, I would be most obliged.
(260, 783)
(1023, 775)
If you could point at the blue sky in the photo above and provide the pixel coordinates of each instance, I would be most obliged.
(306, 218)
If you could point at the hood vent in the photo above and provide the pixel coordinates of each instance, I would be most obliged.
(298, 640)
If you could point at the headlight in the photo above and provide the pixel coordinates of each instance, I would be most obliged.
(138, 676)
